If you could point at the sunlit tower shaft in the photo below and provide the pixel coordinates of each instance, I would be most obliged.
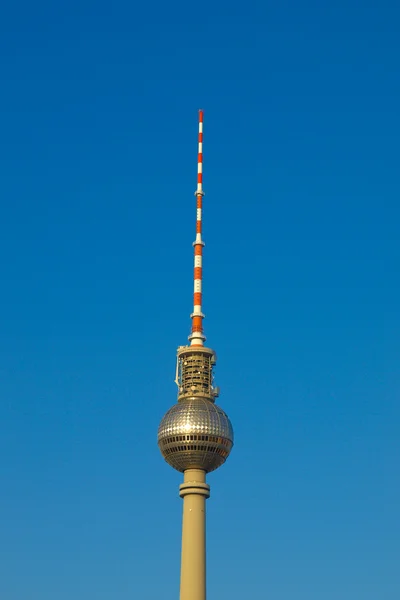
(195, 436)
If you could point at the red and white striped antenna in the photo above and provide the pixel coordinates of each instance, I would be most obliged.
(197, 337)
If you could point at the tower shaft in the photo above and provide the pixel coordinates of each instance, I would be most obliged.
(194, 492)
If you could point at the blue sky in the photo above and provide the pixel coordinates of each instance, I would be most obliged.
(98, 159)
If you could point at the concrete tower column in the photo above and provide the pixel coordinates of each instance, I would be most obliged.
(194, 492)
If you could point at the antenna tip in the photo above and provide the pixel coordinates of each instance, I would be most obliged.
(201, 114)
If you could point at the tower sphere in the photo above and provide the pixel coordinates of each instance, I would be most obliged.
(195, 434)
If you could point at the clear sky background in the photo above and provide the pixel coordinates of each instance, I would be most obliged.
(98, 148)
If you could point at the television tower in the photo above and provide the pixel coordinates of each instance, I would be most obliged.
(195, 436)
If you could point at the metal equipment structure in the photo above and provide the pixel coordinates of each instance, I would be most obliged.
(195, 436)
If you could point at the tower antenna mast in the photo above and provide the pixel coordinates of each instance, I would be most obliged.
(197, 337)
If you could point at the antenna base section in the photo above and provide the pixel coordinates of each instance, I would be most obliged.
(194, 373)
(197, 335)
